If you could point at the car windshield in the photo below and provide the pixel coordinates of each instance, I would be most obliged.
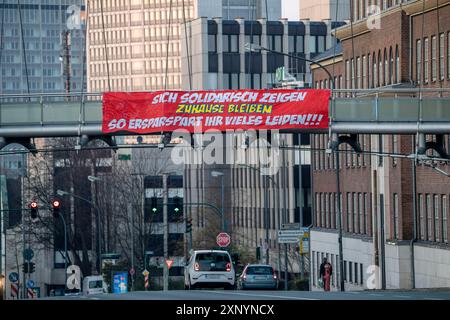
(212, 261)
(259, 270)
(96, 284)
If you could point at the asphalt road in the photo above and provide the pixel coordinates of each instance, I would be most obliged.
(200, 295)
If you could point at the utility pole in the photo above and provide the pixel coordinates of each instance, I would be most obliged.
(300, 187)
(130, 213)
(339, 212)
(166, 233)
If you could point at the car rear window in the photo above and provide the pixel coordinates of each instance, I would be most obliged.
(96, 284)
(212, 261)
(259, 270)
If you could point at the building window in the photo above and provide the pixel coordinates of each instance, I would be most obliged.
(444, 219)
(395, 149)
(212, 43)
(380, 70)
(366, 213)
(353, 73)
(436, 218)
(397, 66)
(448, 55)
(361, 213)
(358, 73)
(349, 204)
(429, 218)
(355, 225)
(441, 56)
(433, 59)
(395, 209)
(386, 69)
(374, 72)
(350, 272)
(345, 271)
(347, 74)
(426, 60)
(419, 61)
(391, 67)
(356, 273)
(364, 73)
(421, 217)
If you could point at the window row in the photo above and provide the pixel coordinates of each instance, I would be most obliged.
(433, 217)
(431, 58)
(348, 157)
(357, 208)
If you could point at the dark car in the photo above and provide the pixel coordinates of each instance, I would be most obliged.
(258, 276)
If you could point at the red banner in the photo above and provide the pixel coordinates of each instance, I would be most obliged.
(200, 111)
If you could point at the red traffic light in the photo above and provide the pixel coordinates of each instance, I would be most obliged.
(34, 205)
(56, 204)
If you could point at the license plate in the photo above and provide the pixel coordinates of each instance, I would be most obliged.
(260, 278)
(212, 276)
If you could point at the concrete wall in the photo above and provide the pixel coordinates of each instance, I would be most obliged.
(432, 266)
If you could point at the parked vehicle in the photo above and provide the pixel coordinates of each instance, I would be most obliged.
(93, 285)
(258, 276)
(209, 268)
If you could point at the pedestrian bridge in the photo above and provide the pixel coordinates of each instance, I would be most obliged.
(381, 111)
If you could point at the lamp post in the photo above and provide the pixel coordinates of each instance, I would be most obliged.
(65, 193)
(221, 174)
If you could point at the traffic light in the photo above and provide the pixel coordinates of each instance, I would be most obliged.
(177, 205)
(56, 205)
(154, 205)
(258, 253)
(32, 267)
(188, 225)
(34, 210)
(26, 267)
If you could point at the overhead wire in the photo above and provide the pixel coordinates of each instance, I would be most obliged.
(23, 46)
(105, 44)
(188, 54)
(169, 32)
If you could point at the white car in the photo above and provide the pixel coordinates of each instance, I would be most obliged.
(210, 268)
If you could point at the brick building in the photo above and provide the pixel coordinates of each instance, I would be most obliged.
(405, 45)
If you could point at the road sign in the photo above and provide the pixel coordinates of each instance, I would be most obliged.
(145, 273)
(28, 254)
(169, 263)
(13, 277)
(132, 271)
(31, 293)
(290, 226)
(289, 236)
(223, 239)
(30, 283)
(304, 243)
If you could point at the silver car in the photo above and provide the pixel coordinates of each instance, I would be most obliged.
(258, 276)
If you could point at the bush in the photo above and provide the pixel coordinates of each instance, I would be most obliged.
(176, 284)
(299, 284)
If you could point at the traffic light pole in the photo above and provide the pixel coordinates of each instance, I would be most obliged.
(166, 234)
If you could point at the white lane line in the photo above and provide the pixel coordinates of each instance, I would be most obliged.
(94, 298)
(399, 296)
(432, 299)
(263, 295)
(375, 294)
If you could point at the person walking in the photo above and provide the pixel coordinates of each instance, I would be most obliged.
(326, 271)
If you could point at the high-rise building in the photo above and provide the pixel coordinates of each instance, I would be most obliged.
(32, 43)
(394, 210)
(338, 10)
(141, 54)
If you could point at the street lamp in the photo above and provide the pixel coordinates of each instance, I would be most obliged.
(65, 193)
(217, 174)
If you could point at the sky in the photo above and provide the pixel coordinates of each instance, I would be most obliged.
(290, 9)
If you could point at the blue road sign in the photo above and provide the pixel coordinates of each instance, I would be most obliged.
(13, 277)
(30, 283)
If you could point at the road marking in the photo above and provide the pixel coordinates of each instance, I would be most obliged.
(263, 295)
(375, 294)
(94, 298)
(432, 299)
(399, 296)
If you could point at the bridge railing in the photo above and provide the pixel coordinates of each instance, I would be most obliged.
(49, 108)
(408, 108)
